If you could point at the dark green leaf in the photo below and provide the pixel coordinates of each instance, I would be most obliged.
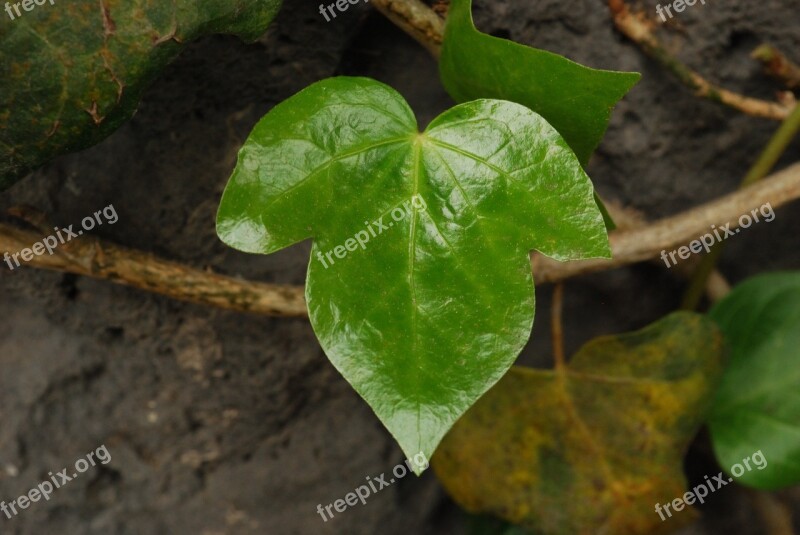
(575, 99)
(429, 298)
(758, 404)
(73, 71)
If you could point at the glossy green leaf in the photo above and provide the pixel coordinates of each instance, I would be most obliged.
(72, 71)
(575, 99)
(758, 404)
(419, 287)
(594, 446)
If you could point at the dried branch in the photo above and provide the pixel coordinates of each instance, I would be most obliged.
(630, 246)
(639, 30)
(99, 259)
(626, 218)
(764, 165)
(95, 258)
(416, 19)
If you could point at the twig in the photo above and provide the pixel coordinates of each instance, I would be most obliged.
(764, 165)
(95, 258)
(717, 286)
(642, 244)
(416, 19)
(638, 30)
(778, 65)
(92, 257)
(556, 328)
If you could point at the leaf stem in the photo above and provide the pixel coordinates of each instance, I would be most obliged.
(556, 327)
(765, 163)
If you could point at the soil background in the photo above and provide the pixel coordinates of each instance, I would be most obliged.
(222, 423)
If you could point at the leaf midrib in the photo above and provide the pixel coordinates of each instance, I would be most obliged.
(411, 259)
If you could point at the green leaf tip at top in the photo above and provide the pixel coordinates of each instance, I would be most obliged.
(419, 286)
(576, 100)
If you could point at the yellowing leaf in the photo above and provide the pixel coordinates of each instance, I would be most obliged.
(593, 447)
